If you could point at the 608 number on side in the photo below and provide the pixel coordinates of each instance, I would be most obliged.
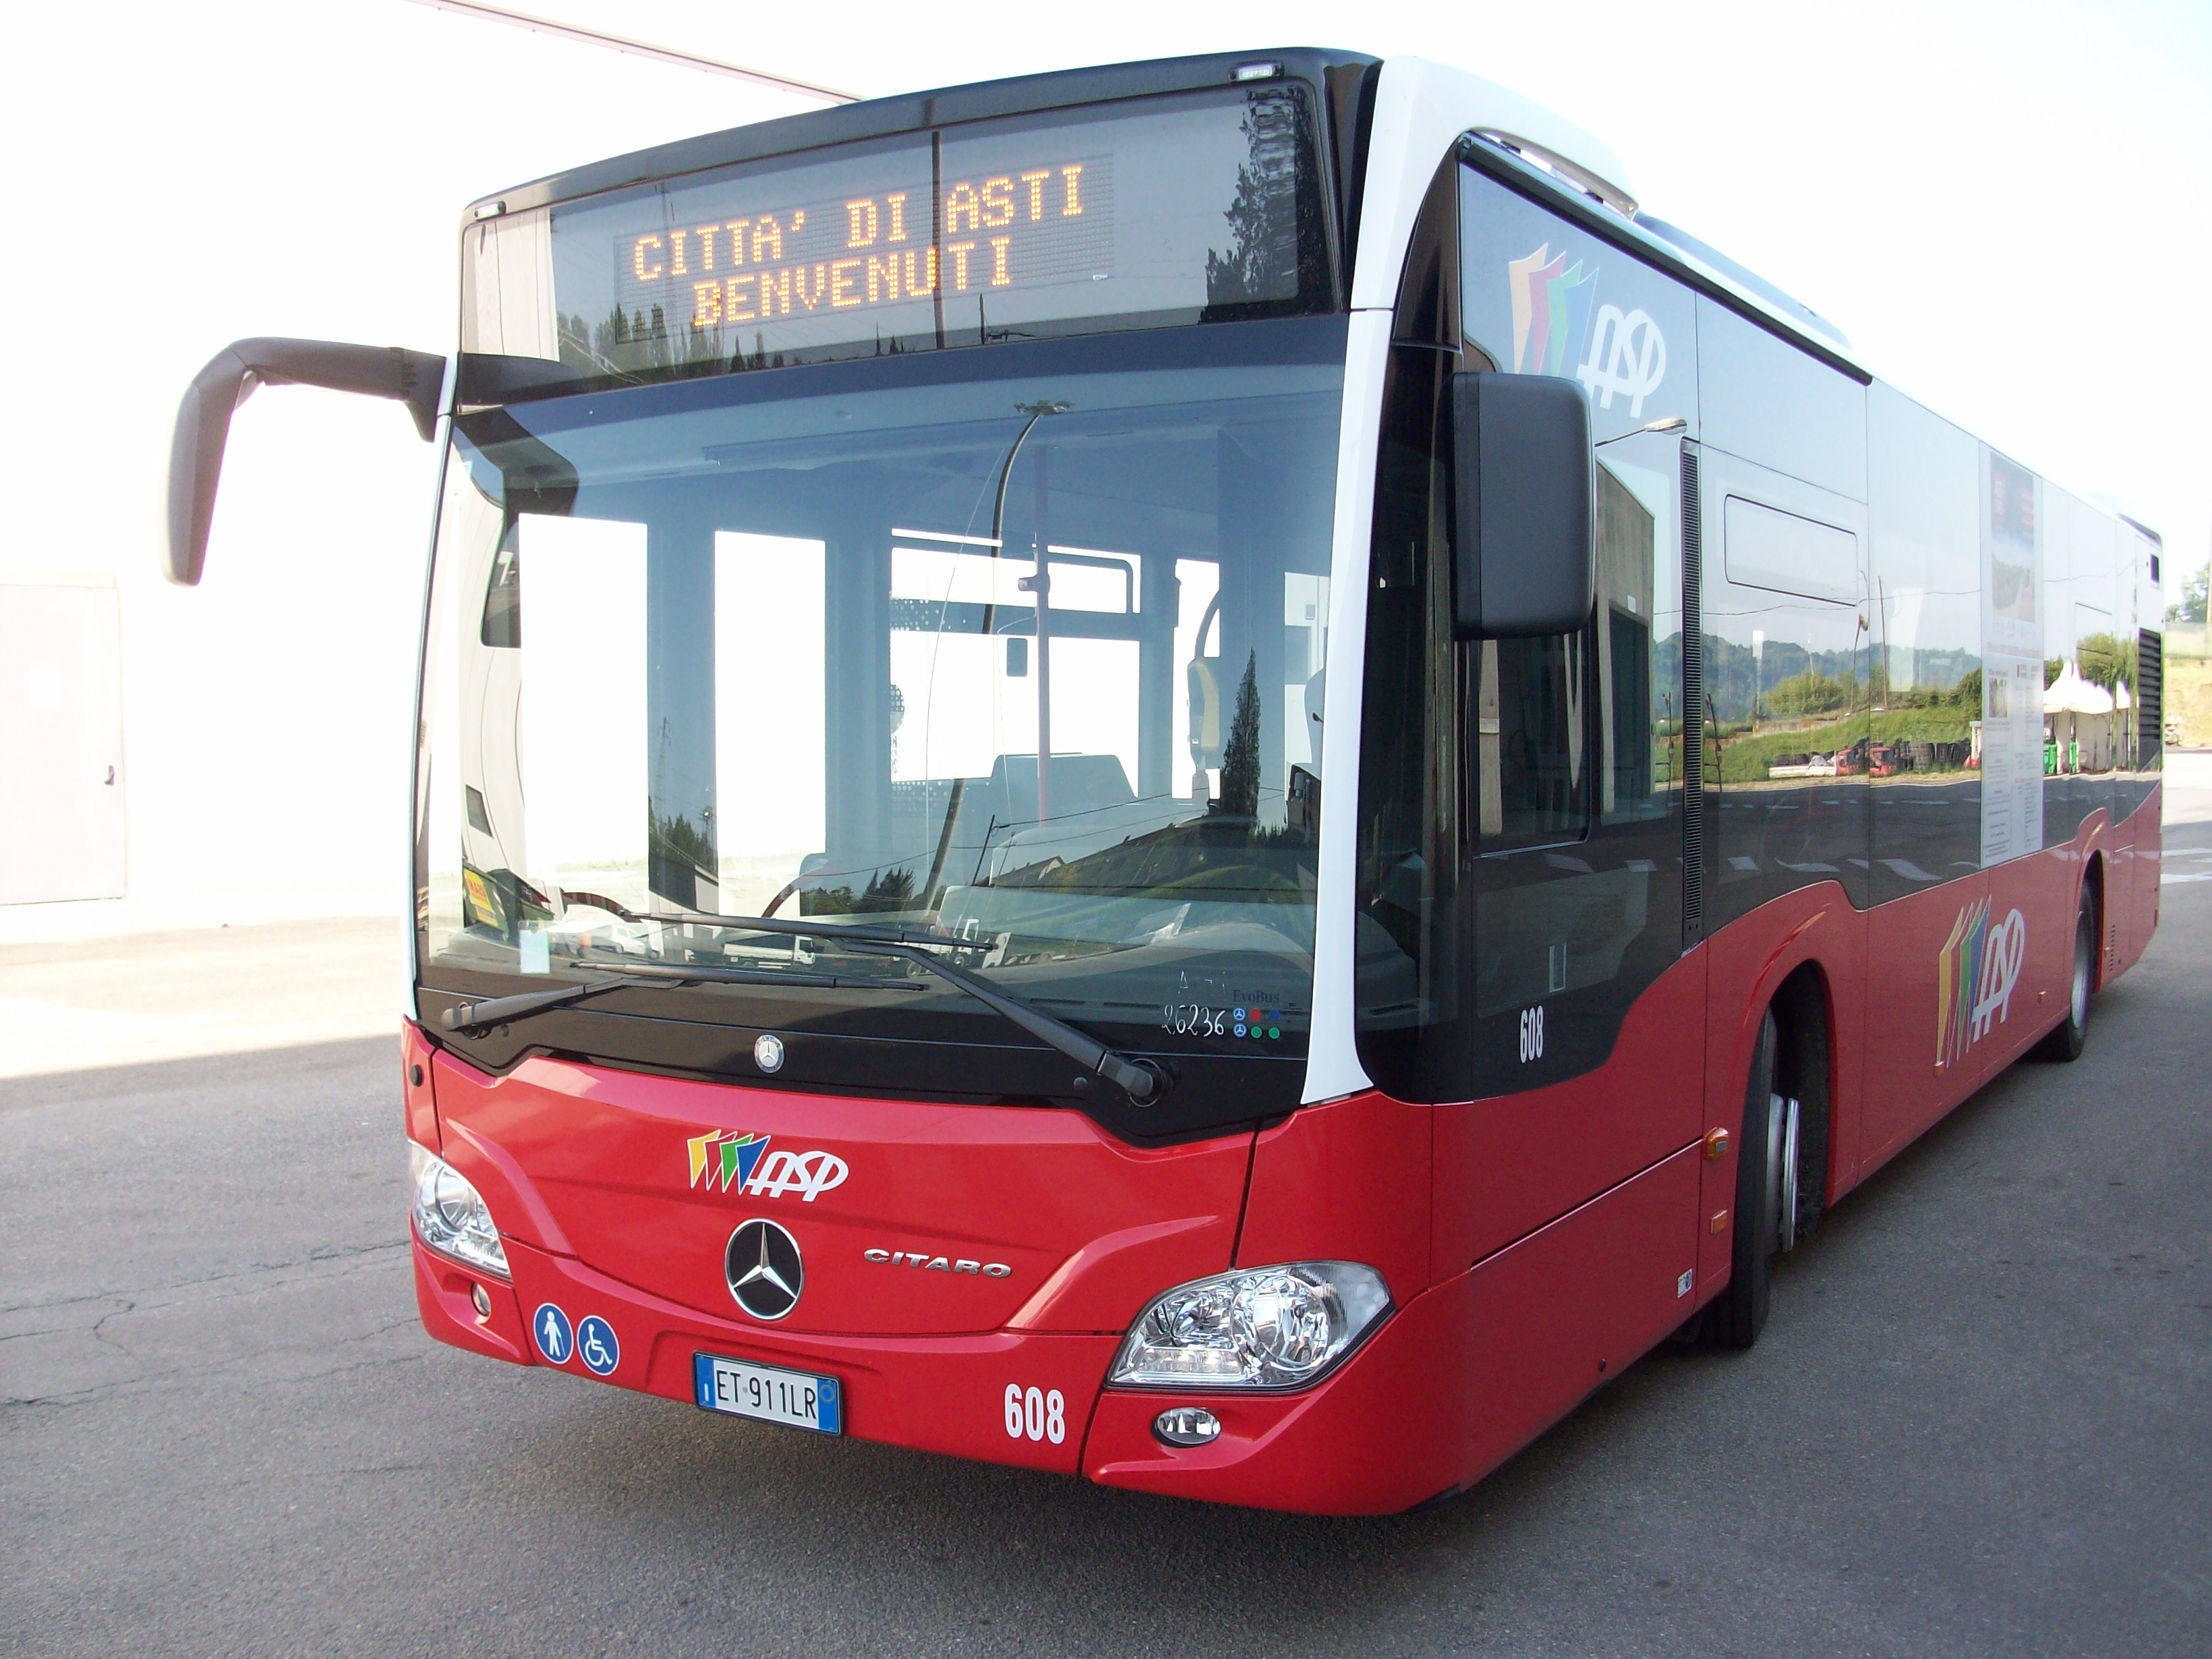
(1532, 1033)
(1032, 1415)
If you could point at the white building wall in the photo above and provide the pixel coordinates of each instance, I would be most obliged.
(215, 172)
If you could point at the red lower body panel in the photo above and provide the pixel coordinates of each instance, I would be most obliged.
(943, 1394)
(1448, 1387)
(1368, 1440)
(1454, 1383)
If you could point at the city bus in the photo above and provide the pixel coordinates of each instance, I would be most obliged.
(889, 957)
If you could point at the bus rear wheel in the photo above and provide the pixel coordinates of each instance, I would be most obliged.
(1767, 1181)
(2071, 1034)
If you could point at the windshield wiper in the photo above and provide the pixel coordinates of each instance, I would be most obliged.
(476, 1016)
(1137, 1079)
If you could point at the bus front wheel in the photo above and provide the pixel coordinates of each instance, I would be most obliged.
(1766, 1199)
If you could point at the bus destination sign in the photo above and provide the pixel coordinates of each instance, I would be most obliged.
(1156, 211)
(1043, 224)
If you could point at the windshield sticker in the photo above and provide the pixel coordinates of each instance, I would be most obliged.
(1553, 321)
(1196, 1019)
(730, 1162)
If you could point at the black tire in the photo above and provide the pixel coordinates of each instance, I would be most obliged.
(2069, 1036)
(1735, 1316)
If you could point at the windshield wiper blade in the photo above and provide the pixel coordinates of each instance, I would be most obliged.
(808, 927)
(494, 1010)
(1140, 1082)
(1137, 1079)
(475, 1016)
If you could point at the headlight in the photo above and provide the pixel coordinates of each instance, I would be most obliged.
(450, 1216)
(1261, 1327)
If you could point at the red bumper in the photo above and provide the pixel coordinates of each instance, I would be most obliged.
(1364, 1441)
(944, 1394)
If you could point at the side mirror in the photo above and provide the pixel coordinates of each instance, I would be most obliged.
(413, 378)
(1524, 486)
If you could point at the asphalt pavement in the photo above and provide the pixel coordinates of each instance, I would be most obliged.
(1980, 1422)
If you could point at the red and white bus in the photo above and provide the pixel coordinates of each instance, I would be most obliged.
(890, 955)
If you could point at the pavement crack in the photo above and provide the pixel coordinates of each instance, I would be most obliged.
(99, 1328)
(271, 1271)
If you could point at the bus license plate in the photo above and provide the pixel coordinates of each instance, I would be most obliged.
(769, 1393)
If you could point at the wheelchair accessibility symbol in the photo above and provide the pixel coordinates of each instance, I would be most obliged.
(555, 1339)
(595, 1344)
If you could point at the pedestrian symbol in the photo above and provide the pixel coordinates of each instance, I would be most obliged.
(596, 1345)
(556, 1339)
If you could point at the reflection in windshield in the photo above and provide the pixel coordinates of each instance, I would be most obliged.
(1031, 662)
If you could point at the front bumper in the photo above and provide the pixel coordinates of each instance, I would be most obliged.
(1377, 1436)
(944, 1394)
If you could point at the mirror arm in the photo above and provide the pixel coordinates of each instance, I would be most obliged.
(413, 378)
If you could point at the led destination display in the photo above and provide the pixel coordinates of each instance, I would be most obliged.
(1043, 225)
(1195, 207)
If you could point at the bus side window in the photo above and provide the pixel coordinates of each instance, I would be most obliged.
(1577, 758)
(1531, 759)
(1639, 634)
(1785, 661)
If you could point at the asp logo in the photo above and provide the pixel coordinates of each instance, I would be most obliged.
(1975, 973)
(726, 1161)
(1617, 354)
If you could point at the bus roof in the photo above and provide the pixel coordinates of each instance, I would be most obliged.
(1334, 75)
(1576, 166)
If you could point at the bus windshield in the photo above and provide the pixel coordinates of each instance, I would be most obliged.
(1021, 648)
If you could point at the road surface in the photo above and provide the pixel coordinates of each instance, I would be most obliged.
(1980, 1422)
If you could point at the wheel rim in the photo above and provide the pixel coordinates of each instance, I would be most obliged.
(1781, 1170)
(1787, 1227)
(2080, 988)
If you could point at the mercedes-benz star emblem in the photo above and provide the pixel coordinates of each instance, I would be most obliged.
(764, 1270)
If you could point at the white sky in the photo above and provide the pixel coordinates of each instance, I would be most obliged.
(2007, 207)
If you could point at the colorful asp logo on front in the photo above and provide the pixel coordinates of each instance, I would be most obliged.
(731, 1161)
